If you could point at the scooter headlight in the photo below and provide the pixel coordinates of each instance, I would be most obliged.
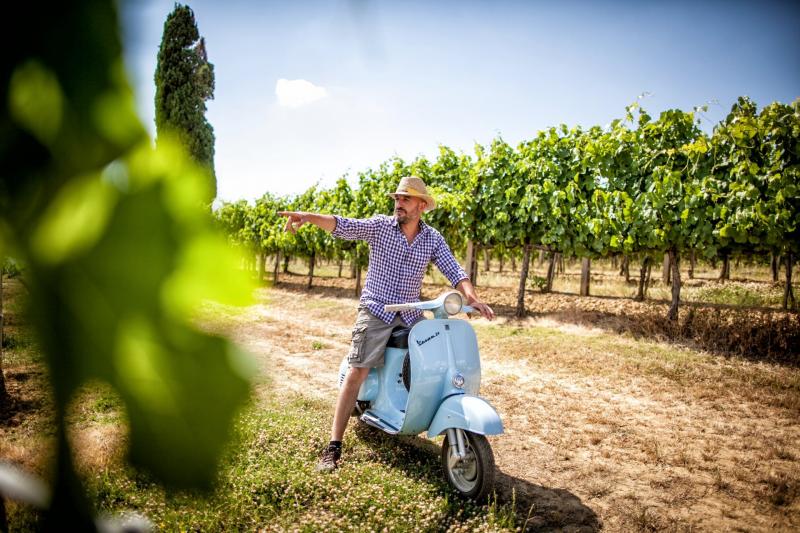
(453, 303)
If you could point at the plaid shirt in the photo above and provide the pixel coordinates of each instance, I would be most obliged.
(396, 268)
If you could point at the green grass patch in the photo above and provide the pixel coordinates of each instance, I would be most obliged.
(223, 315)
(741, 294)
(268, 479)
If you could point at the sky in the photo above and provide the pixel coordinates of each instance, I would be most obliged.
(308, 92)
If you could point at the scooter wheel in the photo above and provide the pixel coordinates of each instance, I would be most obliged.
(472, 476)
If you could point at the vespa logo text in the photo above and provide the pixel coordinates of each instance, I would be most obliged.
(423, 341)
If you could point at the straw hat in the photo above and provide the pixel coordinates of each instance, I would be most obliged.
(414, 186)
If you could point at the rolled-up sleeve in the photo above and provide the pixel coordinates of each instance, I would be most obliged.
(447, 264)
(354, 229)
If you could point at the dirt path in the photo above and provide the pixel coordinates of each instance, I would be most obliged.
(600, 429)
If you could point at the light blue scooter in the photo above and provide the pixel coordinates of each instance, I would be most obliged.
(430, 381)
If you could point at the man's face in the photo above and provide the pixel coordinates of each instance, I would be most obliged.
(407, 208)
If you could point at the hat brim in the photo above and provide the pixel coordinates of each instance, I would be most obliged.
(430, 203)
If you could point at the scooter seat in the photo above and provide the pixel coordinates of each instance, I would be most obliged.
(399, 337)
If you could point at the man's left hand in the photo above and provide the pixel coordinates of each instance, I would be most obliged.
(482, 308)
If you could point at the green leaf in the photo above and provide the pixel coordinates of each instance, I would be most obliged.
(36, 100)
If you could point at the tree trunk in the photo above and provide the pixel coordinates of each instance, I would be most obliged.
(551, 272)
(725, 271)
(624, 268)
(586, 266)
(561, 268)
(666, 274)
(692, 263)
(788, 294)
(276, 267)
(500, 259)
(541, 257)
(3, 391)
(472, 262)
(341, 264)
(523, 279)
(286, 264)
(775, 266)
(262, 265)
(353, 267)
(513, 262)
(675, 261)
(486, 260)
(614, 262)
(643, 279)
(311, 262)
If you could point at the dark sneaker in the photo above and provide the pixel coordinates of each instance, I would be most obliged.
(330, 459)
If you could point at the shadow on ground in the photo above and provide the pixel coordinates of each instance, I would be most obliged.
(536, 507)
(20, 403)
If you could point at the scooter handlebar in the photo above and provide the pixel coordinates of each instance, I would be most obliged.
(397, 307)
(392, 308)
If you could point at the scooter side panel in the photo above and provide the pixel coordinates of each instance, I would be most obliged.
(466, 412)
(369, 389)
(388, 409)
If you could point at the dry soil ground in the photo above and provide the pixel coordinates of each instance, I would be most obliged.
(601, 429)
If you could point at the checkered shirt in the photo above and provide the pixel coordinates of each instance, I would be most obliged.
(396, 268)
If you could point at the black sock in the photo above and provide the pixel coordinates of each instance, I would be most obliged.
(336, 444)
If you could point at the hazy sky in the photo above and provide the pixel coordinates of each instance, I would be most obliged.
(308, 91)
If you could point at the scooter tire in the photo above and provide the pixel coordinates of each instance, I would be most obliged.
(475, 483)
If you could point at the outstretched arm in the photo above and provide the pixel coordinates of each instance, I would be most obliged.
(295, 219)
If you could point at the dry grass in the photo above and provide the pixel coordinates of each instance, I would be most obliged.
(741, 316)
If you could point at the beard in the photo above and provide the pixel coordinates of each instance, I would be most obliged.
(401, 215)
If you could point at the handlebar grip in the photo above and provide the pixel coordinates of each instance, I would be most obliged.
(396, 307)
(467, 309)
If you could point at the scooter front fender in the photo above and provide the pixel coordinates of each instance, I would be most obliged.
(467, 412)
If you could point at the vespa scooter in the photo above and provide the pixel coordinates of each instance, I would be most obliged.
(430, 381)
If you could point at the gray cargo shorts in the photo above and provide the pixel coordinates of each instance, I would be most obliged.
(370, 335)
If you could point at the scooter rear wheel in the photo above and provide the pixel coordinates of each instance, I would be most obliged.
(472, 476)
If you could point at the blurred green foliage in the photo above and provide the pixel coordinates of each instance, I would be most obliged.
(119, 251)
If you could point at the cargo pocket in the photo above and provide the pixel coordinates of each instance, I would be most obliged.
(357, 347)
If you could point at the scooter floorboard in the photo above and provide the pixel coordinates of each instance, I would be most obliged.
(374, 419)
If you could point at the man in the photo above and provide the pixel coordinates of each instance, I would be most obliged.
(400, 249)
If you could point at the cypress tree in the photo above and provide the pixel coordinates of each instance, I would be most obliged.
(184, 81)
